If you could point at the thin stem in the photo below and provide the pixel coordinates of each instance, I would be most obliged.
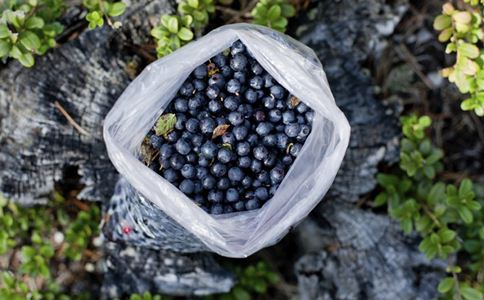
(457, 288)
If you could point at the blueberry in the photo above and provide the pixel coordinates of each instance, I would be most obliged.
(218, 169)
(253, 139)
(192, 158)
(259, 116)
(264, 128)
(192, 125)
(282, 141)
(221, 121)
(217, 79)
(252, 204)
(223, 183)
(177, 161)
(188, 171)
(186, 89)
(292, 129)
(245, 109)
(207, 125)
(262, 193)
(228, 209)
(200, 72)
(209, 182)
(199, 85)
(273, 190)
(216, 209)
(288, 117)
(202, 172)
(233, 86)
(236, 118)
(197, 187)
(246, 182)
(270, 160)
(309, 116)
(180, 121)
(194, 103)
(263, 176)
(209, 150)
(187, 135)
(156, 141)
(220, 60)
(277, 174)
(163, 162)
(268, 81)
(303, 133)
(226, 71)
(170, 175)
(199, 199)
(260, 94)
(232, 195)
(287, 160)
(277, 91)
(256, 82)
(300, 119)
(302, 108)
(269, 140)
(231, 103)
(240, 77)
(197, 140)
(202, 115)
(239, 206)
(280, 128)
(235, 174)
(224, 155)
(243, 148)
(237, 47)
(256, 68)
(256, 183)
(249, 194)
(269, 102)
(212, 91)
(228, 138)
(244, 162)
(215, 196)
(238, 62)
(203, 161)
(275, 115)
(260, 152)
(240, 132)
(214, 106)
(187, 186)
(183, 146)
(181, 105)
(250, 96)
(154, 166)
(172, 136)
(295, 149)
(256, 166)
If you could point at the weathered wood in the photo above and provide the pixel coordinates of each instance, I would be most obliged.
(354, 253)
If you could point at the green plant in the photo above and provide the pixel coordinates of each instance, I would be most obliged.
(199, 10)
(145, 296)
(79, 232)
(99, 10)
(448, 217)
(462, 31)
(273, 13)
(28, 28)
(172, 33)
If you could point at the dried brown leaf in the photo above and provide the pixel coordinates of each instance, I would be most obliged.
(220, 130)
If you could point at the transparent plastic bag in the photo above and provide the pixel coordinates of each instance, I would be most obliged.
(293, 65)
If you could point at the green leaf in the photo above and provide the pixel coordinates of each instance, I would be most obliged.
(447, 235)
(274, 12)
(185, 34)
(28, 252)
(193, 3)
(465, 214)
(465, 187)
(446, 285)
(429, 172)
(4, 48)
(34, 22)
(288, 10)
(165, 124)
(117, 9)
(468, 50)
(4, 31)
(173, 24)
(470, 293)
(441, 22)
(27, 60)
(241, 294)
(29, 40)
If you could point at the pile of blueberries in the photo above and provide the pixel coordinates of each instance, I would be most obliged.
(237, 133)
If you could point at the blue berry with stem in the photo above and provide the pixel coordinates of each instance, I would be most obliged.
(277, 91)
(212, 91)
(233, 86)
(295, 149)
(238, 62)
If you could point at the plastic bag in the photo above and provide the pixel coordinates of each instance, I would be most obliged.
(293, 65)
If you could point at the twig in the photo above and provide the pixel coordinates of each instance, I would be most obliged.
(227, 10)
(70, 119)
(244, 11)
(410, 59)
(458, 296)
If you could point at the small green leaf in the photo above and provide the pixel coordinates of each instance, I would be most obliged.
(274, 12)
(4, 31)
(193, 3)
(4, 48)
(165, 124)
(185, 34)
(446, 285)
(26, 59)
(116, 9)
(468, 50)
(441, 22)
(173, 24)
(29, 40)
(34, 22)
(447, 235)
(465, 214)
(470, 293)
(288, 10)
(241, 294)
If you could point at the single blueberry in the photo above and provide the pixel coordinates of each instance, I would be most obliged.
(194, 103)
(300, 119)
(226, 71)
(244, 162)
(220, 60)
(180, 121)
(181, 105)
(197, 140)
(270, 160)
(240, 77)
(192, 125)
(202, 115)
(277, 91)
(256, 82)
(262, 193)
(197, 187)
(218, 169)
(224, 155)
(240, 132)
(203, 161)
(221, 121)
(192, 158)
(273, 190)
(187, 186)
(233, 86)
(217, 209)
(269, 102)
(268, 80)
(282, 141)
(209, 182)
(200, 72)
(186, 89)
(251, 204)
(172, 136)
(256, 183)
(238, 62)
(275, 115)
(236, 118)
(208, 150)
(177, 161)
(287, 160)
(207, 126)
(223, 183)
(256, 68)
(260, 152)
(237, 47)
(277, 174)
(235, 174)
(228, 138)
(217, 79)
(269, 140)
(252, 139)
(292, 129)
(243, 148)
(245, 109)
(188, 171)
(170, 175)
(232, 195)
(202, 172)
(215, 196)
(239, 206)
(280, 104)
(250, 96)
(199, 85)
(231, 103)
(263, 176)
(212, 91)
(246, 182)
(295, 149)
(156, 141)
(214, 106)
(303, 133)
(302, 108)
(309, 116)
(264, 128)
